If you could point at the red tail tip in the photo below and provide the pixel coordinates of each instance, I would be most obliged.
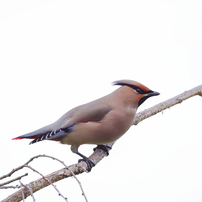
(16, 138)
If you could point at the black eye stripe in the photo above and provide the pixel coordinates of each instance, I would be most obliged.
(136, 88)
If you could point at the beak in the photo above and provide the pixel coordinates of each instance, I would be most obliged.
(153, 93)
(149, 94)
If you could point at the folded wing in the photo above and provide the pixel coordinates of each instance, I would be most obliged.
(90, 112)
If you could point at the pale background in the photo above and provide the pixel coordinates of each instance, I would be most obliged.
(55, 55)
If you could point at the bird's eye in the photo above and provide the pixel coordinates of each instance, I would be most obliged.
(138, 90)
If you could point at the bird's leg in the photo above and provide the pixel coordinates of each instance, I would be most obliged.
(89, 163)
(103, 147)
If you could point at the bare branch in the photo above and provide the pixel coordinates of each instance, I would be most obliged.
(98, 155)
(167, 104)
(18, 168)
(10, 187)
(71, 173)
(10, 173)
(17, 178)
(47, 181)
(23, 196)
(55, 176)
(31, 192)
(26, 165)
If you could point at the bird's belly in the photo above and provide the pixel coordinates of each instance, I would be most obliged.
(106, 131)
(87, 133)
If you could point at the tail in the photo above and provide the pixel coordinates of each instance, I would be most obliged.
(17, 138)
(35, 134)
(42, 134)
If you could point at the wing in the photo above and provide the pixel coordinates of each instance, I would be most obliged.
(36, 133)
(84, 113)
(53, 135)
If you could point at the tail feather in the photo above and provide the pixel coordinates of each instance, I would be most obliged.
(35, 134)
(31, 135)
(47, 136)
(17, 138)
(54, 135)
(40, 135)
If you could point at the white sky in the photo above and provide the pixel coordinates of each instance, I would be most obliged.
(55, 55)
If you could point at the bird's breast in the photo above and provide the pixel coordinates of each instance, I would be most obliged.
(118, 122)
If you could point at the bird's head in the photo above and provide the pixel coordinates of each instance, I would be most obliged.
(142, 91)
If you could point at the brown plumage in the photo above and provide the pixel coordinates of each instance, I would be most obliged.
(98, 122)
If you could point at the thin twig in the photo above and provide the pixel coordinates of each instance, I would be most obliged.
(83, 193)
(18, 168)
(30, 192)
(65, 198)
(15, 179)
(23, 196)
(26, 165)
(10, 187)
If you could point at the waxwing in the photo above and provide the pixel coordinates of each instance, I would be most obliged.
(98, 122)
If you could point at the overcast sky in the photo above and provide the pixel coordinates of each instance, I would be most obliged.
(55, 55)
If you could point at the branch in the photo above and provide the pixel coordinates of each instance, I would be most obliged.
(10, 187)
(98, 155)
(27, 186)
(17, 178)
(167, 104)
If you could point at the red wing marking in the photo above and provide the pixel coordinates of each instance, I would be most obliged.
(89, 121)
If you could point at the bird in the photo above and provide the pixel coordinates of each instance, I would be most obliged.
(98, 122)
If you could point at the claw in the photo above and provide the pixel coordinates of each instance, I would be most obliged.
(104, 148)
(89, 163)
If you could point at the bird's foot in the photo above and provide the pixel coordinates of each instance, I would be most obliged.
(103, 147)
(89, 163)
